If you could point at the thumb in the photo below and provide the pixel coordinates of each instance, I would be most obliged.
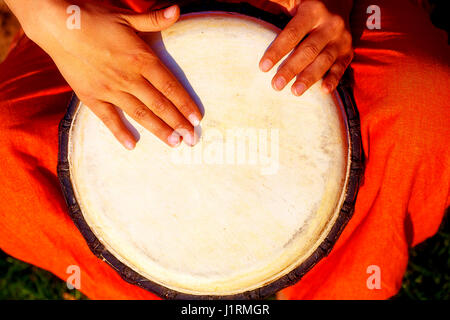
(156, 20)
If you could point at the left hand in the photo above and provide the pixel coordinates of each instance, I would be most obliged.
(321, 44)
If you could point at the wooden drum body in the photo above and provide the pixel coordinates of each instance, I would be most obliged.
(250, 209)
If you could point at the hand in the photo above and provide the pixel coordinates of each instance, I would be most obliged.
(321, 44)
(109, 66)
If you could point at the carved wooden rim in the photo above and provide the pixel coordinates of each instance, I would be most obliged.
(355, 178)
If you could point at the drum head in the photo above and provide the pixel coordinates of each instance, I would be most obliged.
(246, 207)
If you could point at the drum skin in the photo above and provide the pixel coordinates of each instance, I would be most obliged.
(222, 284)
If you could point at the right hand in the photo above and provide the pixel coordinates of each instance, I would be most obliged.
(108, 66)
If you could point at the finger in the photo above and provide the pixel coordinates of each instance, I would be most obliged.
(164, 109)
(110, 117)
(335, 74)
(156, 20)
(164, 81)
(315, 71)
(302, 56)
(147, 119)
(287, 40)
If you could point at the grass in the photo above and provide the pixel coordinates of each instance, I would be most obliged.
(428, 273)
(22, 281)
(427, 276)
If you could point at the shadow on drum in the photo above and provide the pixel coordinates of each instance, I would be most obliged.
(129, 126)
(156, 43)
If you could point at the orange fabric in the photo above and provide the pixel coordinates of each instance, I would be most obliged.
(401, 90)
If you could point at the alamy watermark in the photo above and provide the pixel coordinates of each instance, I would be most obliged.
(374, 280)
(238, 146)
(74, 279)
(374, 20)
(74, 20)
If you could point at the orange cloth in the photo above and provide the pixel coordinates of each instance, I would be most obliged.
(401, 90)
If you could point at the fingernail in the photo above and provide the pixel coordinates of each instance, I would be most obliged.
(174, 139)
(194, 120)
(266, 65)
(327, 88)
(129, 144)
(189, 139)
(170, 12)
(279, 82)
(298, 89)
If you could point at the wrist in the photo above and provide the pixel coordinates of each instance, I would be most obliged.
(34, 15)
(24, 10)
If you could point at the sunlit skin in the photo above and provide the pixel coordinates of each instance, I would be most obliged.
(111, 69)
(321, 45)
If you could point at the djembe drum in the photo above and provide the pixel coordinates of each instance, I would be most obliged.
(246, 212)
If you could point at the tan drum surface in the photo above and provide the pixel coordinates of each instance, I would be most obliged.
(245, 206)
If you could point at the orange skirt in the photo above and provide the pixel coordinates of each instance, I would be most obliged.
(401, 90)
